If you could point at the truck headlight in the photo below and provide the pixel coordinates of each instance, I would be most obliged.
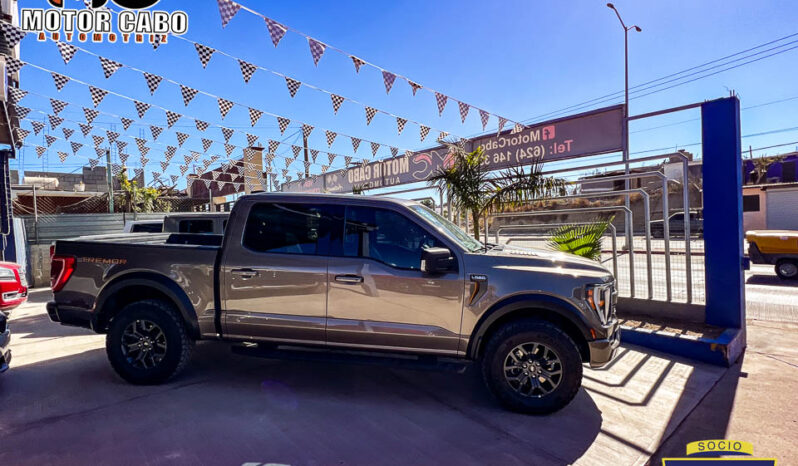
(600, 299)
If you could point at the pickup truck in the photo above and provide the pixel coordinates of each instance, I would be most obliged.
(776, 247)
(349, 274)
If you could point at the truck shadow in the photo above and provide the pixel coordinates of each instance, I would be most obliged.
(770, 280)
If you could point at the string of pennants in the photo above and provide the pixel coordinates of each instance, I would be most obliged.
(98, 94)
(90, 114)
(228, 9)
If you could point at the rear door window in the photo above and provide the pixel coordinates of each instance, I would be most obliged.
(288, 228)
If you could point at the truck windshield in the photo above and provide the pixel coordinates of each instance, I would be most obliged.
(448, 228)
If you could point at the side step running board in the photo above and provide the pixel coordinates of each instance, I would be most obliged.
(424, 362)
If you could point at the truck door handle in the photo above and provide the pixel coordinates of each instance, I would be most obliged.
(245, 274)
(349, 279)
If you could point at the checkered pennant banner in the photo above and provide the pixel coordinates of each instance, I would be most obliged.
(67, 51)
(172, 118)
(269, 160)
(16, 94)
(394, 151)
(400, 124)
(116, 169)
(296, 150)
(357, 62)
(227, 133)
(49, 139)
(204, 52)
(423, 132)
(13, 65)
(414, 86)
(330, 136)
(324, 169)
(201, 125)
(37, 127)
(94, 162)
(188, 159)
(293, 85)
(314, 154)
(97, 95)
(247, 70)
(156, 176)
(59, 80)
(58, 105)
(283, 124)
(464, 108)
(164, 166)
(156, 131)
(517, 128)
(502, 122)
(183, 169)
(109, 66)
(54, 121)
(156, 40)
(441, 100)
(98, 140)
(254, 115)
(273, 145)
(187, 93)
(306, 130)
(289, 161)
(181, 138)
(249, 154)
(123, 157)
(141, 108)
(251, 139)
(330, 157)
(121, 145)
(141, 143)
(227, 9)
(170, 152)
(63, 156)
(206, 143)
(85, 129)
(388, 79)
(40, 150)
(337, 100)
(442, 136)
(137, 172)
(355, 143)
(11, 33)
(374, 148)
(224, 107)
(100, 152)
(276, 30)
(484, 117)
(112, 136)
(316, 50)
(90, 114)
(22, 112)
(307, 167)
(75, 146)
(174, 178)
(370, 112)
(229, 148)
(153, 81)
(22, 134)
(68, 132)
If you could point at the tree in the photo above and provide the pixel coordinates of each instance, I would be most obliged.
(468, 184)
(136, 199)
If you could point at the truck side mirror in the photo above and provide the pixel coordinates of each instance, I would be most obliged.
(436, 260)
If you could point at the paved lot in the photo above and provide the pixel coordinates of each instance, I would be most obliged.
(61, 403)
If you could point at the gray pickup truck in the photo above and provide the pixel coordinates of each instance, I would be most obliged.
(341, 274)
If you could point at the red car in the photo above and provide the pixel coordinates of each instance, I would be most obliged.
(13, 286)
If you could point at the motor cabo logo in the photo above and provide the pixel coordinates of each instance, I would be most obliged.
(133, 23)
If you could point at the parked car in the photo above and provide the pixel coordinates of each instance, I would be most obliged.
(144, 226)
(13, 286)
(676, 226)
(343, 272)
(775, 247)
(5, 339)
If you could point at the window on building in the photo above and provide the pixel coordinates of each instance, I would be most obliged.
(751, 203)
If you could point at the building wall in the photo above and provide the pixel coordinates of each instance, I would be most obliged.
(754, 219)
(94, 179)
(782, 208)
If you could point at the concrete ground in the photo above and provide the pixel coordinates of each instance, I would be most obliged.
(62, 403)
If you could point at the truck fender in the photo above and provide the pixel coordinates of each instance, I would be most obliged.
(544, 302)
(161, 283)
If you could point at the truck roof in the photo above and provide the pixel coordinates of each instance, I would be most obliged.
(329, 198)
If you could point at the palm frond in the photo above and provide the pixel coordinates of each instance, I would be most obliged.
(582, 240)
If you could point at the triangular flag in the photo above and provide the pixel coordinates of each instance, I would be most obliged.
(201, 125)
(109, 66)
(229, 148)
(394, 151)
(414, 86)
(206, 143)
(141, 108)
(37, 127)
(313, 154)
(388, 78)
(296, 150)
(273, 145)
(518, 128)
(40, 151)
(11, 33)
(293, 85)
(58, 105)
(441, 100)
(316, 49)
(90, 114)
(181, 138)
(306, 130)
(358, 63)
(62, 155)
(276, 30)
(484, 117)
(15, 94)
(502, 122)
(171, 118)
(423, 132)
(85, 129)
(164, 166)
(204, 52)
(442, 136)
(330, 136)
(13, 65)
(400, 124)
(54, 121)
(22, 112)
(98, 140)
(227, 133)
(355, 143)
(59, 80)
(75, 146)
(170, 152)
(227, 9)
(252, 139)
(370, 112)
(174, 178)
(111, 136)
(463, 107)
(153, 81)
(126, 122)
(97, 95)
(254, 115)
(68, 132)
(337, 100)
(50, 139)
(156, 131)
(247, 70)
(67, 51)
(283, 124)
(22, 134)
(224, 106)
(330, 158)
(187, 93)
(374, 148)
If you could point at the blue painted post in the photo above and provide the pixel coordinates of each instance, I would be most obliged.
(723, 212)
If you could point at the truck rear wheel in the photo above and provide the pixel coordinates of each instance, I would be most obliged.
(532, 367)
(147, 342)
(787, 269)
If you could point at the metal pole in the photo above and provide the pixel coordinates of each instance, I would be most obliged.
(305, 145)
(688, 260)
(109, 176)
(210, 199)
(35, 216)
(666, 233)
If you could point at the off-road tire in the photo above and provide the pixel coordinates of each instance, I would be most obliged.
(178, 343)
(780, 272)
(524, 331)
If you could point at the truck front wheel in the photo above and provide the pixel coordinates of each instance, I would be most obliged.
(147, 342)
(532, 367)
(787, 269)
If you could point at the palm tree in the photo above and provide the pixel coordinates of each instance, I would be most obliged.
(468, 184)
(582, 240)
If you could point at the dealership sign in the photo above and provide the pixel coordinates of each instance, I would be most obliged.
(592, 133)
(97, 24)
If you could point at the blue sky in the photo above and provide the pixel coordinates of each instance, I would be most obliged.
(520, 59)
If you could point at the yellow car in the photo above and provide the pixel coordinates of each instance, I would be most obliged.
(778, 247)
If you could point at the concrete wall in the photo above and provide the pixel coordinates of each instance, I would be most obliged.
(94, 179)
(755, 220)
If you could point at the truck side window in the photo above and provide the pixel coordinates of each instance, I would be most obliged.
(285, 228)
(195, 226)
(386, 236)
